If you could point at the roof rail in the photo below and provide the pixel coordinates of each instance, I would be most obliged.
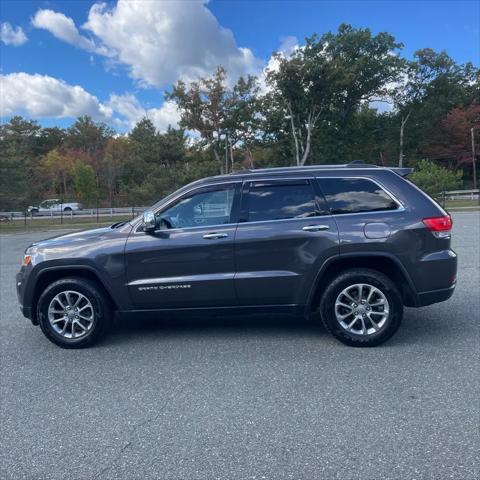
(403, 172)
(332, 166)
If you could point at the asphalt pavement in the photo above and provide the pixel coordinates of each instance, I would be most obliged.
(245, 398)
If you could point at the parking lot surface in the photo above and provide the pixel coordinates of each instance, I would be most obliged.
(245, 398)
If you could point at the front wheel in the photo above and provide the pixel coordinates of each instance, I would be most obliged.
(73, 312)
(362, 308)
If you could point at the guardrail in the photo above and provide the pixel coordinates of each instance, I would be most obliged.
(461, 194)
(94, 213)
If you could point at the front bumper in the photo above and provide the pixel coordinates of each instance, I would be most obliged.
(20, 284)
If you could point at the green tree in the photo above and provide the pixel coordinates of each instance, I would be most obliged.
(324, 83)
(116, 156)
(435, 179)
(432, 84)
(85, 183)
(223, 116)
(18, 140)
(57, 167)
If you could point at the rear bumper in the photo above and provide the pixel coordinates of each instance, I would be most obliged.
(435, 296)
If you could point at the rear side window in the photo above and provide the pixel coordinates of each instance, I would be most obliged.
(277, 201)
(353, 195)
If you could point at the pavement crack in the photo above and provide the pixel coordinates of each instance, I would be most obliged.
(135, 430)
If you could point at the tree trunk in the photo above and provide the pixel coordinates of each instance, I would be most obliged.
(219, 161)
(231, 157)
(312, 120)
(64, 178)
(294, 133)
(402, 129)
(250, 158)
(307, 145)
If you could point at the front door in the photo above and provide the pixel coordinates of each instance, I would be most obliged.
(285, 235)
(189, 262)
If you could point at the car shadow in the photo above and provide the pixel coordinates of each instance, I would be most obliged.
(124, 330)
(419, 327)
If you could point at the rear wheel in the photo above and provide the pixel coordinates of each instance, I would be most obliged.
(73, 312)
(362, 308)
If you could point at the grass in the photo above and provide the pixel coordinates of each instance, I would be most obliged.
(460, 205)
(39, 224)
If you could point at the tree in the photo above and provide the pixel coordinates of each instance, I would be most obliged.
(116, 155)
(222, 116)
(87, 141)
(17, 161)
(203, 108)
(243, 119)
(144, 140)
(450, 141)
(325, 82)
(435, 179)
(85, 183)
(58, 169)
(88, 136)
(431, 85)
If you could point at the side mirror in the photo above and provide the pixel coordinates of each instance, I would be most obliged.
(149, 221)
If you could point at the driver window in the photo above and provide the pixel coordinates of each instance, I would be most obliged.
(212, 207)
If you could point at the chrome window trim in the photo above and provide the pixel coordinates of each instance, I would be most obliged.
(311, 219)
(242, 181)
(401, 207)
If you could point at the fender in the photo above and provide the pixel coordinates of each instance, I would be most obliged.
(361, 255)
(121, 301)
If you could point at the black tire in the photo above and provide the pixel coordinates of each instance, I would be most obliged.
(369, 277)
(102, 312)
(67, 209)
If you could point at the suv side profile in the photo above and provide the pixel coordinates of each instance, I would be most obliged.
(355, 243)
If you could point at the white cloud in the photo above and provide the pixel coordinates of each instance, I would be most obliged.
(42, 96)
(129, 109)
(63, 28)
(12, 36)
(158, 41)
(287, 46)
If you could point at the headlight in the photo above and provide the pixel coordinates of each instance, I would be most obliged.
(27, 256)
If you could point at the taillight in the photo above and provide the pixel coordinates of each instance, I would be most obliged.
(439, 226)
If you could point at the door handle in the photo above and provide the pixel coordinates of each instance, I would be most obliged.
(315, 228)
(214, 236)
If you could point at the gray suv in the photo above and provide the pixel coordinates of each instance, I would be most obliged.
(355, 243)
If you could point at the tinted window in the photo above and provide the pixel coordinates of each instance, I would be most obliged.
(278, 201)
(213, 207)
(350, 195)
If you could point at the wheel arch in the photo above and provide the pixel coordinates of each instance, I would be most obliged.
(382, 262)
(50, 275)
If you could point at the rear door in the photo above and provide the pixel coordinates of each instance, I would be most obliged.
(284, 236)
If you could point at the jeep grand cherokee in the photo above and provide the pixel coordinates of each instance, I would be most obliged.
(355, 243)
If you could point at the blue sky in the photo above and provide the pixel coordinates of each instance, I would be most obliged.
(116, 62)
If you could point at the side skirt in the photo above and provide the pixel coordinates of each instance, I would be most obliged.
(297, 310)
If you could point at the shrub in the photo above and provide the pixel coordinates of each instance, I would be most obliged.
(435, 179)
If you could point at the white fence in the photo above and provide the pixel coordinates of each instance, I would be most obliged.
(461, 195)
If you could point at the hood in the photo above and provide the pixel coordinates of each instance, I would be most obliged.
(75, 236)
(80, 244)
